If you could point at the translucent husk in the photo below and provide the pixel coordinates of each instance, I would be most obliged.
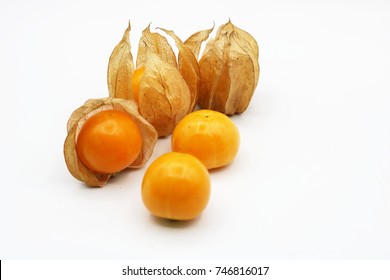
(169, 86)
(194, 42)
(188, 67)
(229, 70)
(152, 42)
(83, 113)
(120, 68)
(164, 97)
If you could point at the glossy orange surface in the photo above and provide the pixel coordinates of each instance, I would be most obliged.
(108, 142)
(176, 186)
(209, 135)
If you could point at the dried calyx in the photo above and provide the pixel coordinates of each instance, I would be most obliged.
(81, 115)
(169, 85)
(229, 70)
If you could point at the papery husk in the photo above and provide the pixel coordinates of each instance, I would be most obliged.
(120, 68)
(154, 43)
(75, 123)
(229, 70)
(194, 42)
(164, 97)
(188, 67)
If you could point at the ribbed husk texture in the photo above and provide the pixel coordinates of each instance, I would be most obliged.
(229, 71)
(168, 88)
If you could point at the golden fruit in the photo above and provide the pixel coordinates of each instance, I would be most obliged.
(209, 135)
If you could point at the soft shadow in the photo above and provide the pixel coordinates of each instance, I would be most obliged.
(174, 223)
(220, 169)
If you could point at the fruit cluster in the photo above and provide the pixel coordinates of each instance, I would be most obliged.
(159, 98)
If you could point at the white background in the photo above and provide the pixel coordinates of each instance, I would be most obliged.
(311, 180)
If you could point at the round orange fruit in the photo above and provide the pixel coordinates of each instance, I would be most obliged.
(209, 135)
(176, 186)
(108, 142)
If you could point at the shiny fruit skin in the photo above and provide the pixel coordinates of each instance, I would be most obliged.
(176, 186)
(209, 135)
(108, 142)
(135, 81)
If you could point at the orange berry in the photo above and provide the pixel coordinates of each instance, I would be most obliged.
(108, 142)
(176, 186)
(209, 135)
